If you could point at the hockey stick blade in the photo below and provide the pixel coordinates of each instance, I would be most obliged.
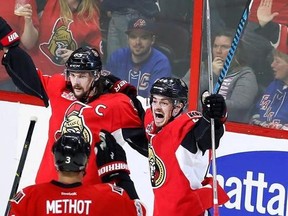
(21, 162)
(234, 45)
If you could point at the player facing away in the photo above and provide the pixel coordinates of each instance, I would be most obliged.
(80, 101)
(67, 195)
(179, 149)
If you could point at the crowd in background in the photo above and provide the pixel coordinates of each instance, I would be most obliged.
(51, 30)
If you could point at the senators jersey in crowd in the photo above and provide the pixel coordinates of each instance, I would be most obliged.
(178, 168)
(113, 112)
(55, 198)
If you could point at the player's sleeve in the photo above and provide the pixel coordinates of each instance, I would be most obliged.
(19, 203)
(131, 128)
(276, 34)
(20, 67)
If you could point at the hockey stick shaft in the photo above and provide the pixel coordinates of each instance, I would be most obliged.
(210, 73)
(234, 45)
(21, 163)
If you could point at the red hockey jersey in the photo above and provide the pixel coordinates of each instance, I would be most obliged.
(177, 174)
(55, 198)
(55, 35)
(111, 112)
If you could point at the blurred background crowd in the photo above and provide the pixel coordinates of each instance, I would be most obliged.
(141, 41)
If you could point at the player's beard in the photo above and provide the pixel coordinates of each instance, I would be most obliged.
(79, 92)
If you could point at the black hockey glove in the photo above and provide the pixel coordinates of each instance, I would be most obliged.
(111, 158)
(8, 37)
(213, 106)
(114, 85)
(112, 164)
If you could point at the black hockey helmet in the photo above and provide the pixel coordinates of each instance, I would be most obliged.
(84, 59)
(173, 88)
(71, 152)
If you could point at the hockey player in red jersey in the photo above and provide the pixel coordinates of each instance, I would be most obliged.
(179, 149)
(67, 195)
(79, 98)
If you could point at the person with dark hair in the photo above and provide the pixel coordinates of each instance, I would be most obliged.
(140, 63)
(68, 195)
(179, 149)
(239, 87)
(120, 13)
(80, 102)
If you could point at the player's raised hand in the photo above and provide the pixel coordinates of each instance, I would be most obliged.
(213, 106)
(110, 158)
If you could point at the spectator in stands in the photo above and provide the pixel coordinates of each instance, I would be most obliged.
(257, 45)
(272, 108)
(26, 25)
(140, 63)
(239, 87)
(64, 27)
(120, 13)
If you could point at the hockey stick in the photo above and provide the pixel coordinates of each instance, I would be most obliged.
(212, 122)
(232, 50)
(21, 163)
(240, 28)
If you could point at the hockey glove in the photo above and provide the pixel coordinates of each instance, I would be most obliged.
(111, 158)
(112, 164)
(115, 85)
(213, 106)
(8, 37)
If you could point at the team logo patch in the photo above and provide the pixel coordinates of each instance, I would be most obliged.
(18, 197)
(75, 122)
(157, 168)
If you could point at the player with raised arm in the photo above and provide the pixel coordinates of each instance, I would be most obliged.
(67, 195)
(80, 101)
(179, 149)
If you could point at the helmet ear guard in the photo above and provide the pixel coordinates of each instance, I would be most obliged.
(71, 152)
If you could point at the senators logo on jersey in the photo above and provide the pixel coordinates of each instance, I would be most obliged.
(157, 168)
(74, 122)
(61, 38)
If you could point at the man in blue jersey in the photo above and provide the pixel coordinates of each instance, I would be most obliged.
(140, 64)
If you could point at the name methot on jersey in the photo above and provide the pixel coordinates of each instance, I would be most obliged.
(68, 206)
